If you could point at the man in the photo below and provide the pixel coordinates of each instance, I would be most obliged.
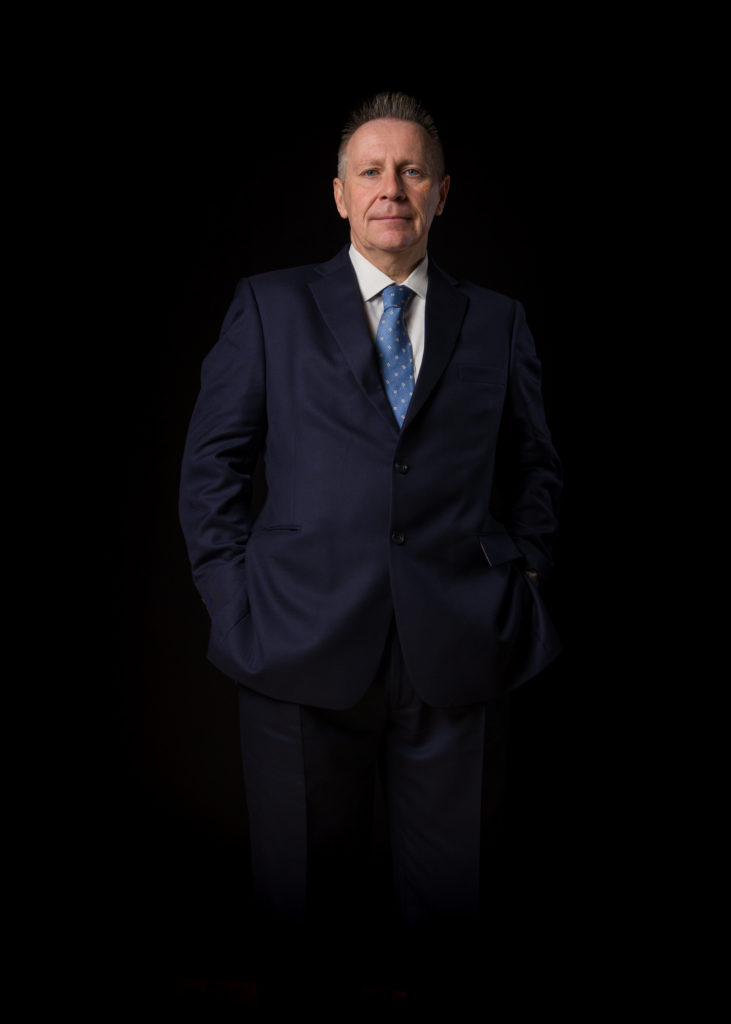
(386, 597)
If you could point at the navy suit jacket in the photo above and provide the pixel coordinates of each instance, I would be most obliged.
(432, 524)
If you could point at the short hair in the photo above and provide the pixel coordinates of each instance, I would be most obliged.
(395, 105)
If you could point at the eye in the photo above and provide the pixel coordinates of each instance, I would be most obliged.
(370, 173)
(413, 172)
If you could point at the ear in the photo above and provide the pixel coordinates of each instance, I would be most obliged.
(339, 198)
(443, 189)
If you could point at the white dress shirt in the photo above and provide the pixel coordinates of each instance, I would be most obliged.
(372, 281)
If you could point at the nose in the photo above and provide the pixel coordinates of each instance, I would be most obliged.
(392, 185)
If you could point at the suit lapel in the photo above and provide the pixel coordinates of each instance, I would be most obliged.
(338, 298)
(445, 311)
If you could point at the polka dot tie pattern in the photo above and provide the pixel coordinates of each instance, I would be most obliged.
(394, 349)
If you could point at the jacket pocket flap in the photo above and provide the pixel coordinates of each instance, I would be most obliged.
(499, 548)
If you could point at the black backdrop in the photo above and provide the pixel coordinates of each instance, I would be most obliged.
(201, 187)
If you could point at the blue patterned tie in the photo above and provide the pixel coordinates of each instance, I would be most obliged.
(394, 348)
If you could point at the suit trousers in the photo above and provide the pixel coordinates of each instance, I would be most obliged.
(311, 777)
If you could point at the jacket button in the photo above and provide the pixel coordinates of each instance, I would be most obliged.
(402, 467)
(397, 537)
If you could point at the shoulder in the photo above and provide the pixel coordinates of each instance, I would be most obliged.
(476, 292)
(273, 296)
(293, 278)
(481, 302)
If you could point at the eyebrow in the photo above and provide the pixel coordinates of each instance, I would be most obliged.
(374, 161)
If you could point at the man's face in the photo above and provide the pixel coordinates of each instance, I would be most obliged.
(391, 191)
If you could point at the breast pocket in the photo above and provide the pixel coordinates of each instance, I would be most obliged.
(470, 373)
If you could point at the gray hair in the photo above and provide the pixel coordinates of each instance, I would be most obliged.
(395, 105)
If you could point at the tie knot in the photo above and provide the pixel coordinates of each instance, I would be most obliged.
(396, 296)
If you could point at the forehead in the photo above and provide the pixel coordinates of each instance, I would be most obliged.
(389, 138)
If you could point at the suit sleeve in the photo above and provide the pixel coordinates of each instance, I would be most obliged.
(225, 437)
(528, 469)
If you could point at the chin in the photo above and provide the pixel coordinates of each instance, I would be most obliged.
(395, 241)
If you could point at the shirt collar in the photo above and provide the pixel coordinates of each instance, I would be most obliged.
(372, 281)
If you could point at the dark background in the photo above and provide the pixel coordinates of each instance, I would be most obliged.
(207, 179)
